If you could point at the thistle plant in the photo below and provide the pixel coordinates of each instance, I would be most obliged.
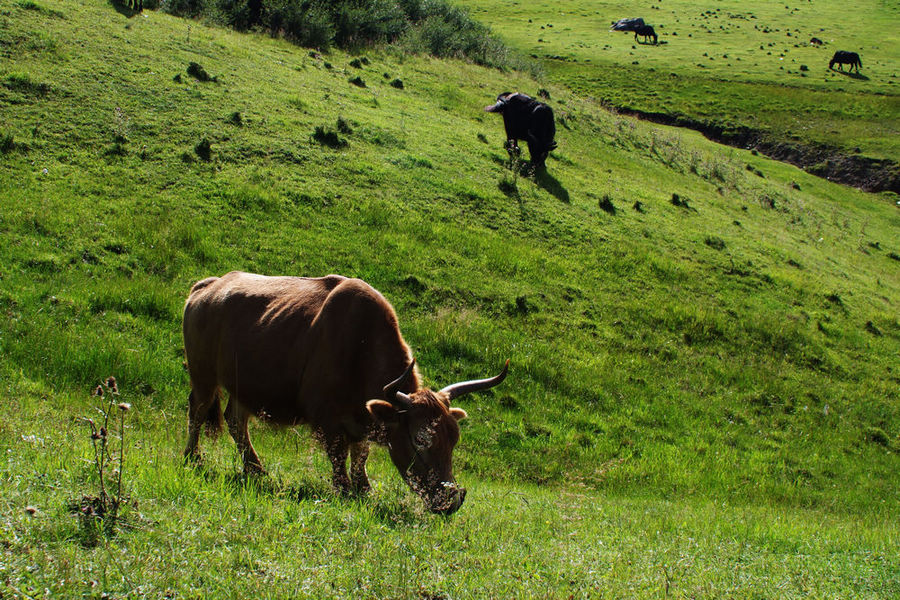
(100, 513)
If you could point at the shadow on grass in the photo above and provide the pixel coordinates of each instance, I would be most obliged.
(390, 507)
(852, 75)
(552, 185)
(123, 9)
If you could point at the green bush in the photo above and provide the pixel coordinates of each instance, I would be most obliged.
(182, 8)
(360, 22)
(443, 30)
(308, 26)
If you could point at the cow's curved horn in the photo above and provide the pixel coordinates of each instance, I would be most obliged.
(466, 387)
(392, 391)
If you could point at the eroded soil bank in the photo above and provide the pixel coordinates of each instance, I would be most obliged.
(830, 162)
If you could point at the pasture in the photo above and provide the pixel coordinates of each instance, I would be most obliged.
(702, 398)
(727, 63)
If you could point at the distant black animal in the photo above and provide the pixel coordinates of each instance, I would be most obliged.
(627, 24)
(842, 57)
(646, 32)
(526, 119)
(815, 42)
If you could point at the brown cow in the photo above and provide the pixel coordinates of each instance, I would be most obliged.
(326, 352)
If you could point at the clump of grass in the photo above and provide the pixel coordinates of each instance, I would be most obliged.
(606, 205)
(203, 149)
(680, 202)
(357, 81)
(343, 126)
(24, 84)
(197, 71)
(397, 83)
(99, 515)
(235, 118)
(328, 137)
(714, 242)
(7, 143)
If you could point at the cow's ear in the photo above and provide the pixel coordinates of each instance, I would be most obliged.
(458, 413)
(383, 412)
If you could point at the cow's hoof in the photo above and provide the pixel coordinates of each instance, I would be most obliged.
(254, 470)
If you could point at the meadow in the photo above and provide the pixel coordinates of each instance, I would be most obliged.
(727, 66)
(702, 398)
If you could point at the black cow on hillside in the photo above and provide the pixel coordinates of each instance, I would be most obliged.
(646, 32)
(842, 57)
(526, 119)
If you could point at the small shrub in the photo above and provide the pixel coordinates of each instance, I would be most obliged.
(357, 81)
(236, 119)
(7, 143)
(876, 435)
(343, 126)
(606, 205)
(680, 202)
(356, 63)
(328, 137)
(203, 149)
(871, 328)
(196, 71)
(716, 243)
(481, 138)
(397, 83)
(638, 206)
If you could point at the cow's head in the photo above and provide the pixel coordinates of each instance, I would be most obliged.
(421, 430)
(500, 105)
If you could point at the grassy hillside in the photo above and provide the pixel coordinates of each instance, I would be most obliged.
(702, 397)
(729, 62)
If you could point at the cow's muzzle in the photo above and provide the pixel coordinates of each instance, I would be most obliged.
(448, 501)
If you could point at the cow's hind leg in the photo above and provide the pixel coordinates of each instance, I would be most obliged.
(359, 452)
(203, 410)
(237, 419)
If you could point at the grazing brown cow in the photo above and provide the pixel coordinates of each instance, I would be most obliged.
(327, 352)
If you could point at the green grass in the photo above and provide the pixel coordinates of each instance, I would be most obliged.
(701, 394)
(730, 62)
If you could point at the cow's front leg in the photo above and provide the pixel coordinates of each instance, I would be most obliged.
(337, 449)
(359, 452)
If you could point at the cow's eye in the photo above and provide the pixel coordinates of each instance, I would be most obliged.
(424, 438)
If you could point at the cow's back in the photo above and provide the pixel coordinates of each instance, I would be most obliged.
(294, 349)
(251, 335)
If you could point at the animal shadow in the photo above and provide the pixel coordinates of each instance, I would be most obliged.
(552, 185)
(852, 75)
(123, 9)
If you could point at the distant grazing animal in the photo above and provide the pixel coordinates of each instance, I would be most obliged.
(815, 41)
(842, 57)
(327, 352)
(629, 24)
(646, 32)
(526, 119)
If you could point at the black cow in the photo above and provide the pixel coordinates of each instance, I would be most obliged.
(815, 42)
(526, 119)
(842, 57)
(646, 32)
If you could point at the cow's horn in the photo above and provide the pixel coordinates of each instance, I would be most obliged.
(465, 387)
(392, 391)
